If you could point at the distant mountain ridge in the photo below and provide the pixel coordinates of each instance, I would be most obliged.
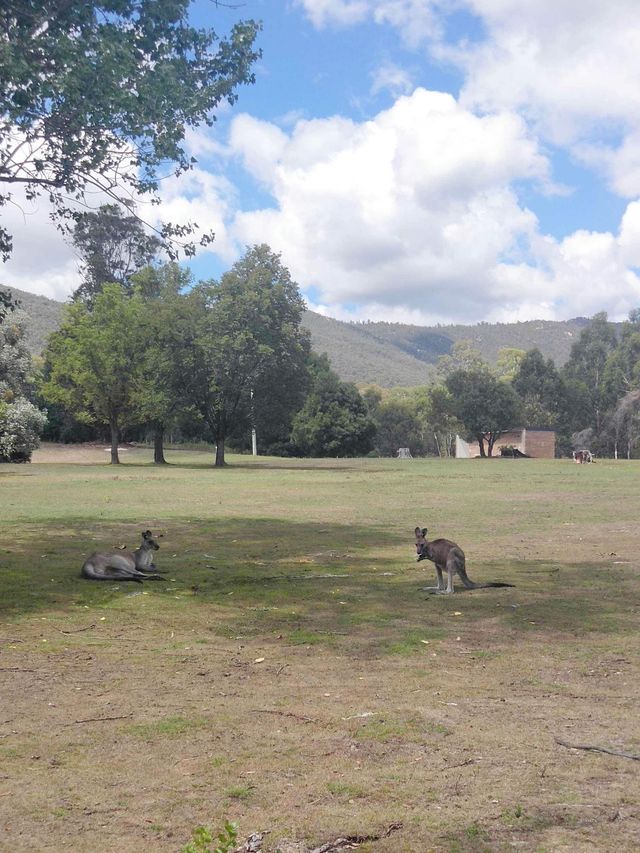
(387, 354)
(392, 354)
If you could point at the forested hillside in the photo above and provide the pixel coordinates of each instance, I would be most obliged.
(388, 354)
(44, 317)
(392, 354)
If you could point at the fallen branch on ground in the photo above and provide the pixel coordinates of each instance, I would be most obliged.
(78, 630)
(101, 719)
(598, 749)
(350, 842)
(283, 714)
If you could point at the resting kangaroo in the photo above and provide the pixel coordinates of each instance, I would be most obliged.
(448, 557)
(120, 566)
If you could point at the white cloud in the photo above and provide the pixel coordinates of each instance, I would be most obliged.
(323, 13)
(416, 20)
(41, 261)
(571, 68)
(413, 208)
(568, 65)
(392, 78)
(201, 197)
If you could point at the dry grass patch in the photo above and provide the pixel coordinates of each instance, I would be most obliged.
(289, 674)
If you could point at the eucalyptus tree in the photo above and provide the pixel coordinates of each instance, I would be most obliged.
(164, 369)
(248, 337)
(112, 246)
(485, 406)
(585, 371)
(91, 361)
(98, 97)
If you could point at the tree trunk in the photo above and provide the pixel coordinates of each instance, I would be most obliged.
(115, 437)
(481, 445)
(158, 446)
(220, 451)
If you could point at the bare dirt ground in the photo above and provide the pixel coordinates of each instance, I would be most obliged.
(90, 453)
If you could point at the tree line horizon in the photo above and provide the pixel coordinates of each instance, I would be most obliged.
(145, 351)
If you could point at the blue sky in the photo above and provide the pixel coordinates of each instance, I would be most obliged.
(419, 160)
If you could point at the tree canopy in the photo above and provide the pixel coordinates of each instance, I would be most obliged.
(112, 246)
(486, 406)
(248, 330)
(90, 363)
(334, 420)
(99, 95)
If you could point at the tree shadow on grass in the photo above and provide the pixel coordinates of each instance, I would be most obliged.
(265, 576)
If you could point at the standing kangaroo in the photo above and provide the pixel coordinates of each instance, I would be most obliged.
(119, 566)
(448, 557)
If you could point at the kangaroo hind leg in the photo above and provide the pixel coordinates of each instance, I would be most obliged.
(440, 586)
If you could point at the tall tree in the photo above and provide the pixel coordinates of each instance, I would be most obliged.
(164, 369)
(585, 368)
(463, 356)
(334, 420)
(624, 423)
(486, 406)
(15, 358)
(508, 363)
(99, 95)
(541, 389)
(248, 332)
(91, 361)
(439, 419)
(112, 246)
(622, 369)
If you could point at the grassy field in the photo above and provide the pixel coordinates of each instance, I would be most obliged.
(291, 676)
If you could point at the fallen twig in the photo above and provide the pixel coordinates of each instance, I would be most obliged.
(462, 764)
(283, 714)
(78, 630)
(597, 749)
(350, 842)
(101, 719)
(15, 669)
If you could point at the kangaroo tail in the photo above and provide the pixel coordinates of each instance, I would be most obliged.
(466, 580)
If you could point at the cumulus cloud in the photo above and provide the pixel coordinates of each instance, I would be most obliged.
(416, 20)
(572, 69)
(41, 261)
(392, 78)
(203, 197)
(399, 210)
(413, 216)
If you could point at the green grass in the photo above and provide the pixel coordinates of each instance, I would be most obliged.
(167, 727)
(291, 641)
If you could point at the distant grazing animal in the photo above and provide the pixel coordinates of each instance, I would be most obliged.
(582, 456)
(448, 557)
(120, 566)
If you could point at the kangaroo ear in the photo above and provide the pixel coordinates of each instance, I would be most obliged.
(424, 531)
(417, 531)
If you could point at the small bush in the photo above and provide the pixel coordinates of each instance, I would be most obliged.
(21, 424)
